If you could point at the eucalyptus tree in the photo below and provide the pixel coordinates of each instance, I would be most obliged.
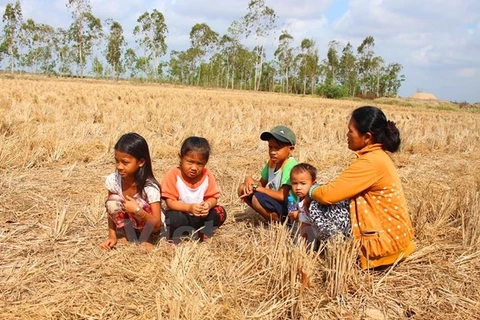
(391, 80)
(333, 63)
(268, 78)
(229, 48)
(182, 66)
(347, 73)
(364, 61)
(115, 47)
(203, 41)
(378, 69)
(285, 56)
(47, 59)
(177, 67)
(65, 53)
(259, 21)
(150, 34)
(97, 67)
(130, 58)
(30, 38)
(226, 56)
(219, 69)
(37, 40)
(12, 19)
(308, 60)
(85, 31)
(244, 66)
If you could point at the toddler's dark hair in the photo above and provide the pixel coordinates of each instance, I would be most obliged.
(373, 120)
(196, 144)
(135, 145)
(305, 167)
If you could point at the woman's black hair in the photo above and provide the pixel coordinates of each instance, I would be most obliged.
(135, 145)
(196, 144)
(373, 120)
(305, 167)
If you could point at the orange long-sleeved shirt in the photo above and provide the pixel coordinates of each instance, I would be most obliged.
(378, 209)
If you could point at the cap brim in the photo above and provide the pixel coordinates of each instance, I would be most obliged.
(265, 136)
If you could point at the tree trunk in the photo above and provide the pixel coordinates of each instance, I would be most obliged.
(286, 80)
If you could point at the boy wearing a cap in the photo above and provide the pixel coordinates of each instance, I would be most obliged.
(268, 196)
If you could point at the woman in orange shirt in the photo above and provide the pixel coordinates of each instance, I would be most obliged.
(378, 209)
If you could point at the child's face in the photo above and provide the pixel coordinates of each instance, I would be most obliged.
(192, 165)
(127, 164)
(301, 183)
(278, 153)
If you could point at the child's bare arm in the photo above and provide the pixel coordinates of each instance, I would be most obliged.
(180, 206)
(279, 195)
(247, 187)
(112, 236)
(196, 209)
(155, 217)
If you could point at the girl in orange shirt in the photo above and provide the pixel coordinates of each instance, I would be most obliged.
(191, 193)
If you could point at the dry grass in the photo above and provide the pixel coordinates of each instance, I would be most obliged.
(56, 141)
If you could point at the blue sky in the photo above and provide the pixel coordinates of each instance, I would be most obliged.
(436, 41)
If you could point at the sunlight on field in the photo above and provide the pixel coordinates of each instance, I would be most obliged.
(56, 141)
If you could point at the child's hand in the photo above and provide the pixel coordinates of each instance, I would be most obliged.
(293, 215)
(247, 187)
(108, 244)
(130, 205)
(197, 209)
(206, 207)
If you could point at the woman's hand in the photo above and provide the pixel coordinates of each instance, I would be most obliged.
(108, 244)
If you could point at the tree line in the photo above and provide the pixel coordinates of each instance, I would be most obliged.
(212, 59)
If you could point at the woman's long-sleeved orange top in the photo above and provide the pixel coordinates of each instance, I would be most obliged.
(378, 209)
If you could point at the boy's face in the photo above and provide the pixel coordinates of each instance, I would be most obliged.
(301, 183)
(278, 152)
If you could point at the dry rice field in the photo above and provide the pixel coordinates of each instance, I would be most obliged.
(56, 141)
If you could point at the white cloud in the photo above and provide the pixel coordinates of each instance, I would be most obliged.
(467, 72)
(421, 57)
(306, 9)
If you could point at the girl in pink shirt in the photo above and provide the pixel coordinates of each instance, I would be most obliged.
(133, 203)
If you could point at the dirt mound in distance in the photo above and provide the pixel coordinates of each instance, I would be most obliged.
(423, 96)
